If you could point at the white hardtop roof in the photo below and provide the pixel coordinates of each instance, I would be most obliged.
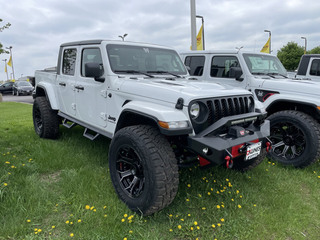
(119, 42)
(227, 51)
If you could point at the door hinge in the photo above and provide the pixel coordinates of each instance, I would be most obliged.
(103, 116)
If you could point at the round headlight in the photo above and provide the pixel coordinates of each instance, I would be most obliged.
(195, 110)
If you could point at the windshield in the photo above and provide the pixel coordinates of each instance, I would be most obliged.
(264, 64)
(23, 84)
(142, 60)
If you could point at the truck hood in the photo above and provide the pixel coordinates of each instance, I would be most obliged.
(171, 90)
(293, 86)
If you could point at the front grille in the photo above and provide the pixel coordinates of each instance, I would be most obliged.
(223, 107)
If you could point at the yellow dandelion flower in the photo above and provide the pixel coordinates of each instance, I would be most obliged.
(71, 223)
(239, 206)
(189, 214)
(211, 189)
(125, 215)
(213, 225)
(5, 184)
(105, 215)
(218, 192)
(218, 206)
(28, 220)
(203, 208)
(7, 162)
(237, 191)
(240, 196)
(182, 219)
(170, 230)
(222, 206)
(200, 195)
(198, 227)
(53, 227)
(71, 234)
(219, 224)
(170, 215)
(92, 208)
(227, 180)
(187, 200)
(12, 166)
(179, 226)
(67, 222)
(209, 193)
(122, 220)
(79, 220)
(130, 231)
(254, 205)
(189, 185)
(195, 223)
(232, 200)
(191, 228)
(125, 238)
(222, 219)
(104, 207)
(36, 229)
(39, 230)
(87, 207)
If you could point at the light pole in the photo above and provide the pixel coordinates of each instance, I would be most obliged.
(270, 39)
(202, 20)
(122, 37)
(10, 48)
(305, 44)
(5, 67)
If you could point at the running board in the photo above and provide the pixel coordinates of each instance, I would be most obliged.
(68, 124)
(90, 134)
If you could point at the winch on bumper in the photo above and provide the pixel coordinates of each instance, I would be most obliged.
(216, 147)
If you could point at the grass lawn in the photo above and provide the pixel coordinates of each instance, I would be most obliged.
(61, 189)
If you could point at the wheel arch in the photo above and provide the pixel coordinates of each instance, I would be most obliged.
(307, 108)
(46, 90)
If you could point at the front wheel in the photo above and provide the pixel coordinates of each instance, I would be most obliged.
(45, 120)
(143, 169)
(295, 138)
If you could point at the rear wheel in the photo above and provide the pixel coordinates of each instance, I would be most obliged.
(143, 169)
(45, 120)
(295, 138)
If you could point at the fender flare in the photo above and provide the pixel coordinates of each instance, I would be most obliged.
(49, 94)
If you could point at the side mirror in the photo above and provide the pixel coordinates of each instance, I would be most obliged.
(94, 70)
(236, 72)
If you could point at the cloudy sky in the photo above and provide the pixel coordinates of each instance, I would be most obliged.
(38, 27)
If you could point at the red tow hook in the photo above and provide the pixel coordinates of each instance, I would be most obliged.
(229, 162)
(268, 144)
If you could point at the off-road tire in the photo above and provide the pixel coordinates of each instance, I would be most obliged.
(45, 120)
(243, 166)
(141, 156)
(295, 138)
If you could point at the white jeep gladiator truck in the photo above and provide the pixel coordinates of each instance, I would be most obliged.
(293, 105)
(140, 97)
(309, 67)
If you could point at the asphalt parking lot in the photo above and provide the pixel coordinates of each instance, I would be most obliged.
(23, 99)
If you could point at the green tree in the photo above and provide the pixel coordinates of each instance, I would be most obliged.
(290, 55)
(315, 50)
(1, 29)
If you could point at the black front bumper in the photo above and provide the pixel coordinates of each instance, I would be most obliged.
(215, 147)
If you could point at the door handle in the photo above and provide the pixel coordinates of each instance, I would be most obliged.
(79, 87)
(62, 84)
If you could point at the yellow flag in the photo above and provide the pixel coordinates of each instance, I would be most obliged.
(10, 62)
(266, 47)
(5, 68)
(199, 39)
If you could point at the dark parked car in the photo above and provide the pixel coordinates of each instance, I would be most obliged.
(22, 87)
(6, 87)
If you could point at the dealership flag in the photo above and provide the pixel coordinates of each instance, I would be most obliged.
(5, 68)
(266, 47)
(10, 62)
(199, 39)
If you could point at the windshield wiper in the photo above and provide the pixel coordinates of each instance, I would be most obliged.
(165, 72)
(262, 73)
(133, 71)
(270, 74)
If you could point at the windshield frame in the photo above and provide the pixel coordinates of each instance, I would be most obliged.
(269, 64)
(129, 59)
